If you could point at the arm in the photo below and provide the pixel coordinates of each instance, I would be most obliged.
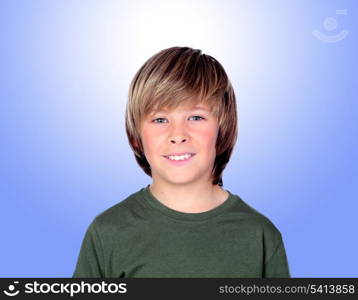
(90, 263)
(277, 266)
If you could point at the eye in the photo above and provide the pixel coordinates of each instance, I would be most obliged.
(158, 119)
(198, 117)
(164, 118)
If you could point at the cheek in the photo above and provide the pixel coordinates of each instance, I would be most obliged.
(209, 137)
(150, 143)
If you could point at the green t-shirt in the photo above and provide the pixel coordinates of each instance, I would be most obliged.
(141, 237)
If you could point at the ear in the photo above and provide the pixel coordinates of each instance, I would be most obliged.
(134, 143)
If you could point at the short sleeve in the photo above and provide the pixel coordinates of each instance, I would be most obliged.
(90, 263)
(277, 265)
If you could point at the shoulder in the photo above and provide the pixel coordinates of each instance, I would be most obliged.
(123, 214)
(254, 219)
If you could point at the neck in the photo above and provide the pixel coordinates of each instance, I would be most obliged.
(193, 198)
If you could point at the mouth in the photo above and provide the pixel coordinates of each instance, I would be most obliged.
(179, 160)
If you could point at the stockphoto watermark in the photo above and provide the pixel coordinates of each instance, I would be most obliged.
(330, 24)
(65, 288)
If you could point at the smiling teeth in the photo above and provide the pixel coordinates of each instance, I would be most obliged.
(182, 157)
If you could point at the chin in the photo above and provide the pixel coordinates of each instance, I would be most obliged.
(182, 180)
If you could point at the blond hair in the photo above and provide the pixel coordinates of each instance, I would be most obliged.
(175, 76)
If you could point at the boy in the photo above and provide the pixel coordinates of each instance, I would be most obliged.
(181, 124)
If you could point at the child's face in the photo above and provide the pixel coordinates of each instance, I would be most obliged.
(184, 129)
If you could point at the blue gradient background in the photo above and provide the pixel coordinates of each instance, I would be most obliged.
(65, 69)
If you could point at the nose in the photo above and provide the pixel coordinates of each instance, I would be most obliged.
(177, 140)
(178, 135)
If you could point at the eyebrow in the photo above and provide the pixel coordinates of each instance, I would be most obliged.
(193, 108)
(199, 107)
